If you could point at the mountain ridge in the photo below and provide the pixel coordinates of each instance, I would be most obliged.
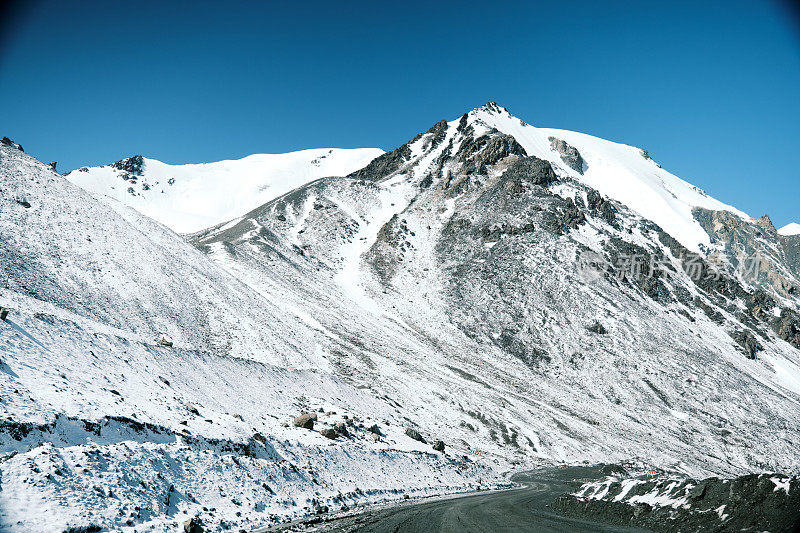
(191, 197)
(469, 287)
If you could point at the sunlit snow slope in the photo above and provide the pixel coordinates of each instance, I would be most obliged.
(189, 198)
(625, 173)
(790, 229)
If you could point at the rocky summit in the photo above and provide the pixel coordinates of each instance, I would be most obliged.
(487, 298)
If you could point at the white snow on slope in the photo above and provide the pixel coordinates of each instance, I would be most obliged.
(790, 229)
(619, 171)
(91, 287)
(188, 198)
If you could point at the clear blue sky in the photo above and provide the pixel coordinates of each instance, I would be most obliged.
(713, 91)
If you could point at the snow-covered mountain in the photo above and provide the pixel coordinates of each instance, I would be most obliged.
(188, 198)
(792, 228)
(528, 296)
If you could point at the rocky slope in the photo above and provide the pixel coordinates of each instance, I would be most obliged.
(527, 296)
(474, 262)
(143, 385)
(660, 502)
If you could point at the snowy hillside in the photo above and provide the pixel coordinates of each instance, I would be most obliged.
(452, 266)
(526, 296)
(188, 198)
(142, 385)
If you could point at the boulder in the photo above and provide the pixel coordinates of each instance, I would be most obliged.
(305, 421)
(341, 429)
(52, 165)
(438, 446)
(328, 433)
(748, 342)
(3, 313)
(375, 429)
(598, 328)
(192, 526)
(414, 434)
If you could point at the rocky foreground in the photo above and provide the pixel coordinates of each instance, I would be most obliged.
(663, 503)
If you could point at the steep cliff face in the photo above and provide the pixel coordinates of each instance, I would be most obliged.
(753, 249)
(791, 246)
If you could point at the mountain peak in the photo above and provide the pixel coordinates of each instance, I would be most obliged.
(492, 110)
(792, 228)
(492, 107)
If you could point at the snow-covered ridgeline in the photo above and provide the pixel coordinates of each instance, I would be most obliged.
(188, 198)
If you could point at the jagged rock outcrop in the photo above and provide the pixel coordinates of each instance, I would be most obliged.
(569, 154)
(383, 165)
(752, 248)
(8, 142)
(414, 434)
(748, 342)
(132, 165)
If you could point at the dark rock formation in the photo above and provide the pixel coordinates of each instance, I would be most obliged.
(569, 154)
(753, 502)
(601, 207)
(598, 328)
(193, 525)
(383, 165)
(438, 132)
(414, 434)
(787, 326)
(478, 154)
(570, 217)
(8, 142)
(531, 170)
(132, 165)
(748, 342)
